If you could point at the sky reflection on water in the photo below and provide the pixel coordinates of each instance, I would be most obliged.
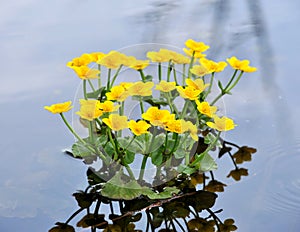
(39, 37)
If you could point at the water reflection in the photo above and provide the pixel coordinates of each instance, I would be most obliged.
(189, 210)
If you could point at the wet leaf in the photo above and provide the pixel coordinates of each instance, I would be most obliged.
(83, 199)
(129, 157)
(206, 163)
(92, 220)
(62, 227)
(201, 200)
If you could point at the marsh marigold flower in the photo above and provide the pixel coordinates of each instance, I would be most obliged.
(84, 72)
(108, 106)
(199, 70)
(139, 64)
(59, 108)
(177, 126)
(188, 92)
(157, 117)
(213, 66)
(83, 60)
(117, 93)
(238, 173)
(205, 108)
(192, 129)
(89, 109)
(112, 60)
(116, 122)
(96, 56)
(196, 84)
(221, 124)
(196, 46)
(141, 89)
(159, 56)
(165, 86)
(242, 65)
(139, 128)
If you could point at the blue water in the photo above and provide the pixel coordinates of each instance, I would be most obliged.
(37, 38)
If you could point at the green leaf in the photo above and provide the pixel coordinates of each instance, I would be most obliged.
(206, 163)
(148, 78)
(157, 156)
(117, 188)
(136, 146)
(129, 157)
(80, 150)
(95, 94)
(220, 85)
(186, 169)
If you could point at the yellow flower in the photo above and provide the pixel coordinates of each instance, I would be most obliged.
(221, 124)
(157, 117)
(83, 60)
(126, 85)
(205, 108)
(139, 64)
(188, 92)
(108, 106)
(89, 109)
(192, 128)
(165, 86)
(96, 56)
(117, 93)
(138, 128)
(199, 70)
(177, 126)
(84, 72)
(112, 60)
(242, 65)
(128, 60)
(141, 89)
(180, 59)
(59, 107)
(196, 84)
(116, 122)
(190, 53)
(158, 56)
(196, 46)
(213, 66)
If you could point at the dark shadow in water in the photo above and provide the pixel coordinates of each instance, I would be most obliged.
(189, 210)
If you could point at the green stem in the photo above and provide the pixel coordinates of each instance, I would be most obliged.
(191, 64)
(115, 76)
(183, 74)
(142, 106)
(228, 87)
(175, 144)
(113, 143)
(211, 145)
(210, 85)
(129, 171)
(169, 70)
(174, 74)
(108, 79)
(159, 71)
(99, 76)
(235, 82)
(91, 84)
(91, 133)
(130, 142)
(231, 79)
(71, 129)
(142, 75)
(84, 90)
(183, 112)
(143, 165)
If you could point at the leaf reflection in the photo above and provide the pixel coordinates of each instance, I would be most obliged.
(129, 204)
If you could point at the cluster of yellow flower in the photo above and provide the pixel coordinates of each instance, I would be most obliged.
(107, 108)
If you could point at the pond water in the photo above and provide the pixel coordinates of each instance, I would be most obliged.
(39, 37)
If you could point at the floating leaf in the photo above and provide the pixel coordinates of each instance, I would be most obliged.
(62, 227)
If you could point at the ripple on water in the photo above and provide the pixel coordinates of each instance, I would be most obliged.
(282, 181)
